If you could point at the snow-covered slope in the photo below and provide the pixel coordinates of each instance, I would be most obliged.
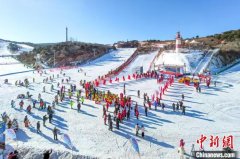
(140, 61)
(25, 47)
(204, 63)
(215, 111)
(8, 64)
(5, 51)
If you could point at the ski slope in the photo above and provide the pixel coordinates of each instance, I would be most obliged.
(203, 64)
(140, 61)
(8, 64)
(215, 111)
(4, 50)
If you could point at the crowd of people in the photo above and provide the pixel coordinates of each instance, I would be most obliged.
(122, 104)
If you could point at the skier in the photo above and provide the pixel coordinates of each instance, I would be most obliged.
(142, 129)
(38, 127)
(44, 89)
(137, 129)
(55, 131)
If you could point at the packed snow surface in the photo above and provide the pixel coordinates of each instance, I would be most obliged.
(215, 111)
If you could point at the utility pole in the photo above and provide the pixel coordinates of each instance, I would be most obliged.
(94, 51)
(66, 34)
(54, 59)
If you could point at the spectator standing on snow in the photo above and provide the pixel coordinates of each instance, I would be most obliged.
(44, 119)
(128, 114)
(183, 110)
(137, 129)
(55, 131)
(177, 106)
(38, 127)
(142, 130)
(13, 103)
(110, 125)
(79, 106)
(117, 122)
(173, 105)
(146, 110)
(50, 116)
(163, 106)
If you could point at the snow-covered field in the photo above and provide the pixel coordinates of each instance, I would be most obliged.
(215, 111)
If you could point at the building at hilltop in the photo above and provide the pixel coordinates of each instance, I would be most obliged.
(172, 61)
(178, 43)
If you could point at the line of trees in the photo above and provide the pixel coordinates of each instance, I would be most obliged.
(228, 35)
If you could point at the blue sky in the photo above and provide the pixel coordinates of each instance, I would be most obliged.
(108, 21)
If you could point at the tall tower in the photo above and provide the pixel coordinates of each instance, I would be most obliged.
(66, 34)
(178, 42)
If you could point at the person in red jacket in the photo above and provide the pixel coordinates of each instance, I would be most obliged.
(107, 105)
(29, 109)
(182, 143)
(120, 116)
(137, 113)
